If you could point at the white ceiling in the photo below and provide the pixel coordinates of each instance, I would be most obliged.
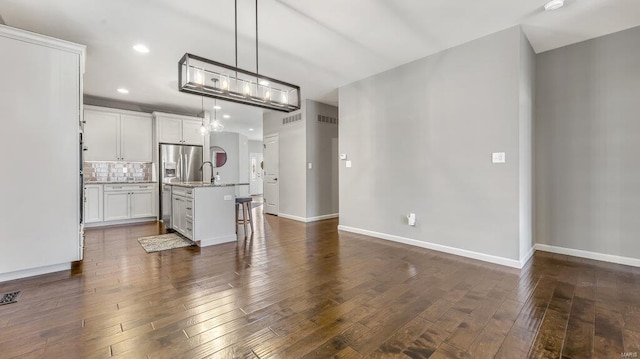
(319, 45)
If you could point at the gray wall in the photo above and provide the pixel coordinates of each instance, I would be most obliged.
(292, 176)
(256, 146)
(587, 135)
(322, 153)
(229, 141)
(525, 137)
(420, 138)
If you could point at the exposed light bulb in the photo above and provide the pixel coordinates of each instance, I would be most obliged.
(225, 85)
(264, 82)
(285, 99)
(216, 126)
(204, 130)
(247, 90)
(267, 95)
(198, 78)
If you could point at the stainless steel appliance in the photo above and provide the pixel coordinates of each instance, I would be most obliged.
(178, 163)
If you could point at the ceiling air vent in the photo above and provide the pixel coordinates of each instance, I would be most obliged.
(327, 119)
(292, 119)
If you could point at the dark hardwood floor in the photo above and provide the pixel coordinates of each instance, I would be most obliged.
(308, 291)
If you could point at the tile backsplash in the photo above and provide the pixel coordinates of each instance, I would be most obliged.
(118, 171)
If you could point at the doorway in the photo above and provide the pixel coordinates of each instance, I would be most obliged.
(271, 171)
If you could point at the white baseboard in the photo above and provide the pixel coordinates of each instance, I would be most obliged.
(438, 247)
(34, 271)
(120, 222)
(527, 257)
(308, 219)
(635, 262)
(290, 216)
(322, 218)
(218, 240)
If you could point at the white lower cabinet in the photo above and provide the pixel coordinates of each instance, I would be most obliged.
(142, 204)
(116, 206)
(93, 203)
(116, 202)
(182, 215)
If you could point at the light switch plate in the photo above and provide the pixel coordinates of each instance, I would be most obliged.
(498, 157)
(343, 156)
(348, 164)
(310, 165)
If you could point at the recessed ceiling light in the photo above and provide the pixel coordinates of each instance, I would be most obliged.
(251, 129)
(123, 90)
(226, 116)
(264, 82)
(141, 48)
(554, 5)
(216, 107)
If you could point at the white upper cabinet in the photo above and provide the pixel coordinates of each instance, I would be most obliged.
(191, 132)
(116, 135)
(101, 132)
(136, 138)
(178, 129)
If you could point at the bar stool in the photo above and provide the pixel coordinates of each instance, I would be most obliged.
(244, 203)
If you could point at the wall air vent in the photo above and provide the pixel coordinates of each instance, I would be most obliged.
(292, 119)
(327, 119)
(9, 298)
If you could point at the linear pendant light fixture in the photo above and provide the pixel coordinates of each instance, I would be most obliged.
(200, 76)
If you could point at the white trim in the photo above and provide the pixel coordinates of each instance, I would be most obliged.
(322, 218)
(34, 271)
(119, 222)
(290, 216)
(527, 256)
(635, 262)
(437, 247)
(308, 219)
(218, 240)
(43, 40)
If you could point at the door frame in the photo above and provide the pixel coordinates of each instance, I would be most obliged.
(271, 138)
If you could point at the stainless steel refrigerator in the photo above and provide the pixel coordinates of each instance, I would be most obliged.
(178, 163)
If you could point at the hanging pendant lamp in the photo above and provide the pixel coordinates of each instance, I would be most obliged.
(200, 76)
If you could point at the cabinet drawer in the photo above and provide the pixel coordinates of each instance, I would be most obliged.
(128, 187)
(188, 229)
(183, 191)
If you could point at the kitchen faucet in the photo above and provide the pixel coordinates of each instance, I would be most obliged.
(209, 162)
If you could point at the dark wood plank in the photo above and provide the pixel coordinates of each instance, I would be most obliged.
(305, 290)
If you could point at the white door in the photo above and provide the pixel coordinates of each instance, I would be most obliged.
(271, 171)
(101, 136)
(142, 204)
(136, 138)
(255, 173)
(116, 206)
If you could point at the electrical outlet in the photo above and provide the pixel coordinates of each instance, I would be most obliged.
(411, 219)
(348, 164)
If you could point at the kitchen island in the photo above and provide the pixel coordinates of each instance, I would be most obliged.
(204, 212)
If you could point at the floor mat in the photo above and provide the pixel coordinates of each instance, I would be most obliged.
(164, 242)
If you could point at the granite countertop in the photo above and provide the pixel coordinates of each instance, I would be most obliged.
(111, 182)
(204, 184)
